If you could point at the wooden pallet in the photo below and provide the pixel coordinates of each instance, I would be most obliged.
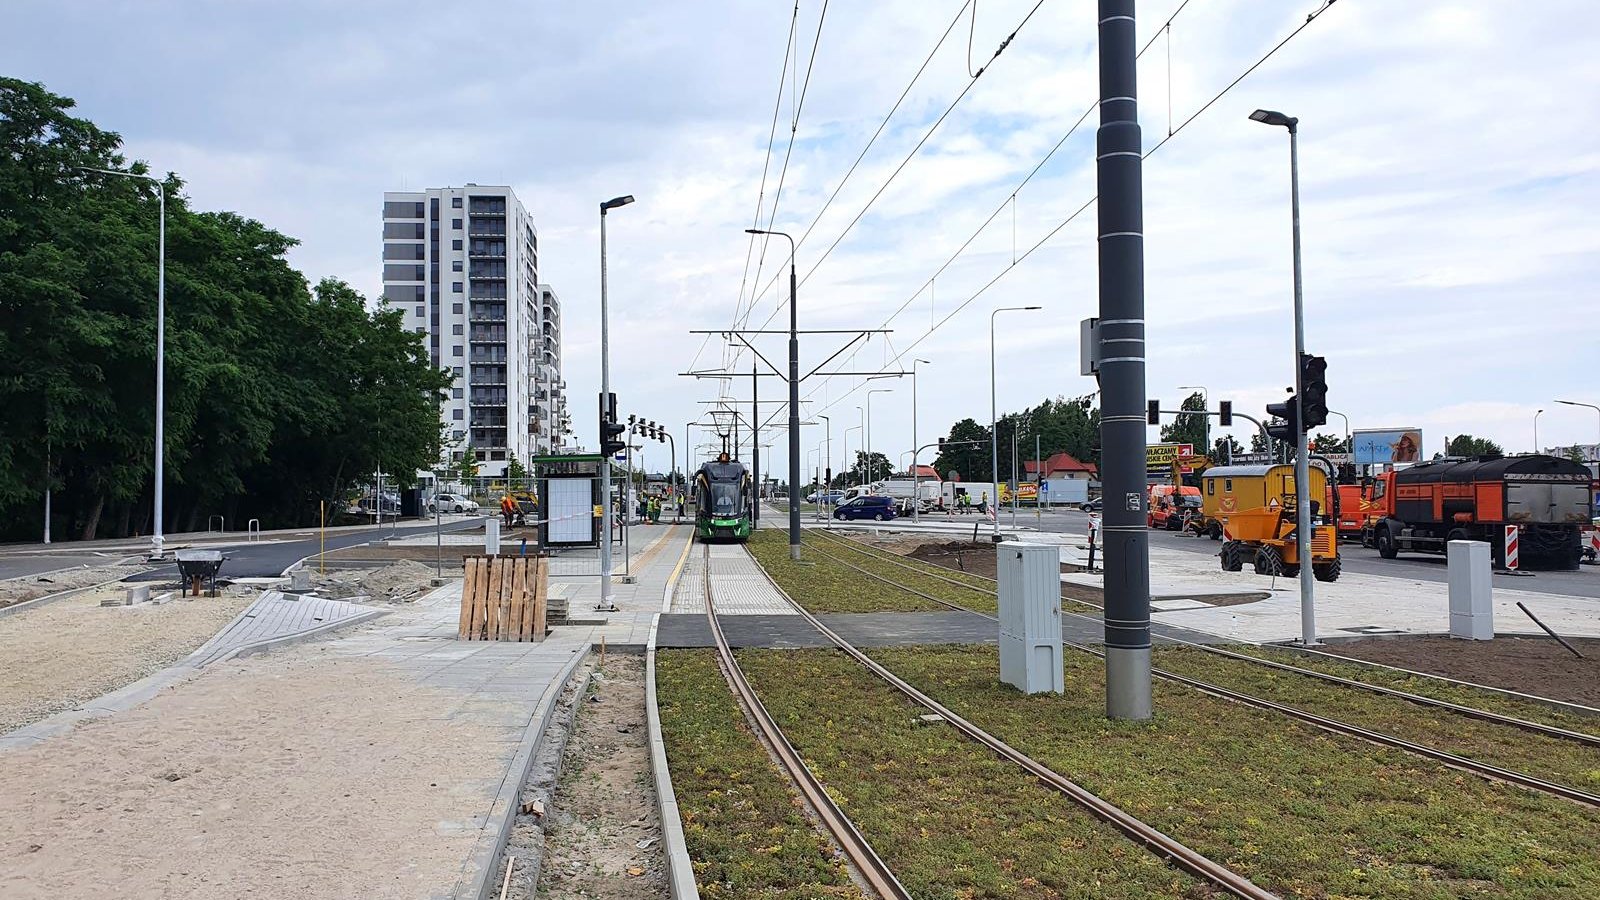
(505, 598)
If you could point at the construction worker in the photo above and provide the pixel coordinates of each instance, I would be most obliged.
(508, 508)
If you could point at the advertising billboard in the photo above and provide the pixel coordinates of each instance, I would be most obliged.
(1158, 458)
(1380, 446)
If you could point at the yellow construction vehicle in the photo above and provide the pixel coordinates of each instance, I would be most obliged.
(1255, 506)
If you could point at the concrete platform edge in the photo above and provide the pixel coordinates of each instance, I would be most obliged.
(299, 636)
(478, 876)
(681, 883)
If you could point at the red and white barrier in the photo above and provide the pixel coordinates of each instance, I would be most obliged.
(1594, 541)
(1511, 547)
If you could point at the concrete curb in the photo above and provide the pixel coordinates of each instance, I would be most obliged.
(680, 868)
(263, 646)
(123, 698)
(478, 877)
(37, 602)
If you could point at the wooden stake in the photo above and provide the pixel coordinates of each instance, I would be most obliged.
(505, 886)
(602, 651)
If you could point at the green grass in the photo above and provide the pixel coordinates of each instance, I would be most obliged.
(1432, 687)
(1301, 812)
(980, 597)
(948, 816)
(1553, 759)
(745, 826)
(828, 587)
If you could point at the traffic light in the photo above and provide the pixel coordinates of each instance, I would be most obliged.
(610, 428)
(1153, 412)
(1313, 390)
(1289, 430)
(1225, 413)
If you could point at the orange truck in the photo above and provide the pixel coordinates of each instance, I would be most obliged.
(1169, 504)
(1355, 507)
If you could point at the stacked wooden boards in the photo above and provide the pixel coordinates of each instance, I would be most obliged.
(505, 598)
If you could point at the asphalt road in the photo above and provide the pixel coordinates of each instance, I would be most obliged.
(269, 560)
(1584, 582)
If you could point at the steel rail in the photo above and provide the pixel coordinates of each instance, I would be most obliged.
(866, 861)
(1153, 839)
(1461, 763)
(1472, 712)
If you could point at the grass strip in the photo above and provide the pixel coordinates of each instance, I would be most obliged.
(1563, 762)
(950, 818)
(974, 598)
(1301, 812)
(1431, 687)
(745, 825)
(828, 586)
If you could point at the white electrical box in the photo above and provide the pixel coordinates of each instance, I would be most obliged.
(1471, 590)
(1030, 616)
(491, 536)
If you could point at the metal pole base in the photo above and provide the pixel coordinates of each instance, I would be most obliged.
(794, 552)
(1128, 684)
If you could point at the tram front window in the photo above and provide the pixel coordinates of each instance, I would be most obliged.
(725, 500)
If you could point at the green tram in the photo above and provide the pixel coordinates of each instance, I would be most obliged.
(723, 501)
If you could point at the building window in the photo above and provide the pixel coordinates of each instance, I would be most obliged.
(455, 244)
(498, 454)
(457, 350)
(455, 393)
(456, 413)
(455, 202)
(455, 308)
(456, 224)
(455, 329)
(422, 329)
(458, 371)
(455, 287)
(455, 265)
(421, 311)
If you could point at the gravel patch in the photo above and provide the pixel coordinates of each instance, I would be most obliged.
(71, 651)
(400, 582)
(32, 587)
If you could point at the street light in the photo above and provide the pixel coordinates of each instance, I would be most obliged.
(870, 467)
(827, 466)
(606, 600)
(994, 417)
(1308, 613)
(1205, 400)
(1597, 414)
(794, 397)
(1349, 447)
(1536, 416)
(156, 539)
(916, 495)
(847, 431)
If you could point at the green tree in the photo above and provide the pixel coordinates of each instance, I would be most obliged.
(1225, 448)
(1467, 445)
(1329, 443)
(1190, 429)
(965, 452)
(467, 466)
(879, 468)
(1575, 453)
(514, 468)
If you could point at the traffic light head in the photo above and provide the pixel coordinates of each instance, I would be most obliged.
(1314, 390)
(610, 429)
(1152, 413)
(1225, 413)
(1288, 430)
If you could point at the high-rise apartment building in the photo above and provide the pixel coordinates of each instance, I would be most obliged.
(463, 266)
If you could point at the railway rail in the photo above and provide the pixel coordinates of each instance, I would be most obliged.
(1163, 845)
(1465, 764)
(1418, 699)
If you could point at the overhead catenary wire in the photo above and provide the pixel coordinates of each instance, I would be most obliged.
(1312, 17)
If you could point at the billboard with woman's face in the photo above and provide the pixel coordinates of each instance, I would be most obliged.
(1378, 446)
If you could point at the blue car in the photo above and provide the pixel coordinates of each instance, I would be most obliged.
(879, 509)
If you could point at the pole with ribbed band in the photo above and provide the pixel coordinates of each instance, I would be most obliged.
(1119, 175)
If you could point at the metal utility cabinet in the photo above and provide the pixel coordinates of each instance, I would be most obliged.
(1471, 591)
(1030, 616)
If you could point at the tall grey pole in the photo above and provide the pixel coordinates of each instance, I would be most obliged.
(1014, 479)
(916, 492)
(994, 422)
(872, 468)
(1302, 462)
(827, 462)
(755, 442)
(794, 408)
(1119, 175)
(606, 598)
(161, 373)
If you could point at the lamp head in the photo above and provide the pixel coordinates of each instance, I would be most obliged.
(615, 202)
(1272, 117)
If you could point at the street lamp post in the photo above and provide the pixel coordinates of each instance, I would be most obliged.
(1205, 400)
(994, 418)
(156, 539)
(1536, 416)
(871, 470)
(794, 397)
(1597, 414)
(1349, 447)
(827, 464)
(916, 493)
(606, 600)
(1302, 463)
(861, 427)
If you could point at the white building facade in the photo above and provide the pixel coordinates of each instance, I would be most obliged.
(462, 264)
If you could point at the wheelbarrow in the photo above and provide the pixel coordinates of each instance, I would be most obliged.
(197, 566)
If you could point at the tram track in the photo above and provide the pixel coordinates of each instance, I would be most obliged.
(1174, 851)
(1461, 763)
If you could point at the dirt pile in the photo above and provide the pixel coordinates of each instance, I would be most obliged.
(402, 581)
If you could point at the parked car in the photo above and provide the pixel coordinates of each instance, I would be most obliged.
(825, 497)
(453, 503)
(866, 506)
(1090, 506)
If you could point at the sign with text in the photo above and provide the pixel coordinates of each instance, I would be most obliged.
(1160, 457)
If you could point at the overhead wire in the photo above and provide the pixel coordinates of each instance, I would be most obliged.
(1313, 16)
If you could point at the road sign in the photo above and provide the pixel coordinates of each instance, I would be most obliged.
(1160, 457)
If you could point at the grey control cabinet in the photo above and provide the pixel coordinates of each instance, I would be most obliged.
(1471, 590)
(1030, 616)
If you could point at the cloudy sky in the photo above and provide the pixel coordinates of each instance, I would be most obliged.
(1450, 156)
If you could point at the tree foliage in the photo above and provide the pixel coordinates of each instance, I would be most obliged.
(1329, 443)
(1467, 445)
(277, 396)
(1187, 429)
(1063, 425)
